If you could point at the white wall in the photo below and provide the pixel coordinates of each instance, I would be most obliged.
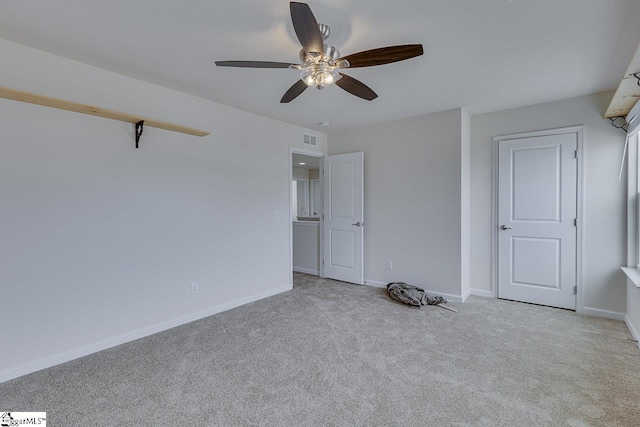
(100, 242)
(604, 197)
(412, 199)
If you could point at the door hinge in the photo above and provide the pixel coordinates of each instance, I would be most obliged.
(575, 222)
(576, 154)
(322, 262)
(575, 290)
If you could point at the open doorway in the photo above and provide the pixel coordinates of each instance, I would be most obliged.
(305, 212)
(337, 226)
(305, 195)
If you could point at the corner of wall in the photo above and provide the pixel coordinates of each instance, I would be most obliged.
(417, 228)
(465, 202)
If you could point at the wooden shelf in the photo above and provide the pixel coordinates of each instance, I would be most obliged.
(628, 92)
(95, 111)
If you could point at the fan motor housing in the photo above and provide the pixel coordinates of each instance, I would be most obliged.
(330, 54)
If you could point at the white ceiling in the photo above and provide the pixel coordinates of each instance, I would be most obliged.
(484, 55)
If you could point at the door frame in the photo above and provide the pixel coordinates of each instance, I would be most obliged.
(311, 153)
(344, 223)
(579, 131)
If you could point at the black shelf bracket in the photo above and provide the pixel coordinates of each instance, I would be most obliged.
(615, 122)
(139, 130)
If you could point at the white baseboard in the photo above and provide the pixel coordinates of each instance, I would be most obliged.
(449, 297)
(589, 311)
(634, 331)
(481, 293)
(56, 359)
(375, 284)
(306, 271)
(466, 295)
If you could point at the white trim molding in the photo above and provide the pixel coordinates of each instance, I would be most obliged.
(481, 293)
(633, 275)
(579, 131)
(634, 332)
(632, 272)
(67, 356)
(375, 284)
(607, 314)
(306, 271)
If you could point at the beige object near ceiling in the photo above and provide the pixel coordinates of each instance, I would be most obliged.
(628, 92)
(17, 95)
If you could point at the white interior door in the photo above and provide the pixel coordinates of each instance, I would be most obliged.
(343, 245)
(537, 181)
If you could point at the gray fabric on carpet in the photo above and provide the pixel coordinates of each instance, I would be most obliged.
(330, 353)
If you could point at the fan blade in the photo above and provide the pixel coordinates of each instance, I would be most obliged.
(306, 28)
(254, 64)
(383, 55)
(356, 87)
(293, 92)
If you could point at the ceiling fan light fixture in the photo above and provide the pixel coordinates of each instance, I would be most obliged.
(324, 79)
(306, 75)
(330, 53)
(320, 63)
(319, 75)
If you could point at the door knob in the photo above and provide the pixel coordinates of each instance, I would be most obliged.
(504, 227)
(357, 224)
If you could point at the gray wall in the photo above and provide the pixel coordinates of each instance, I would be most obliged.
(604, 217)
(412, 194)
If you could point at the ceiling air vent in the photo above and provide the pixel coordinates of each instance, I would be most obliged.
(310, 140)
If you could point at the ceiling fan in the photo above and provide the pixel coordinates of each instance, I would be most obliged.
(321, 63)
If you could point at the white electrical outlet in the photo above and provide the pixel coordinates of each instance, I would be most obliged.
(389, 265)
(194, 288)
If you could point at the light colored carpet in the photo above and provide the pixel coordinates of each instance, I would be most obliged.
(330, 353)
